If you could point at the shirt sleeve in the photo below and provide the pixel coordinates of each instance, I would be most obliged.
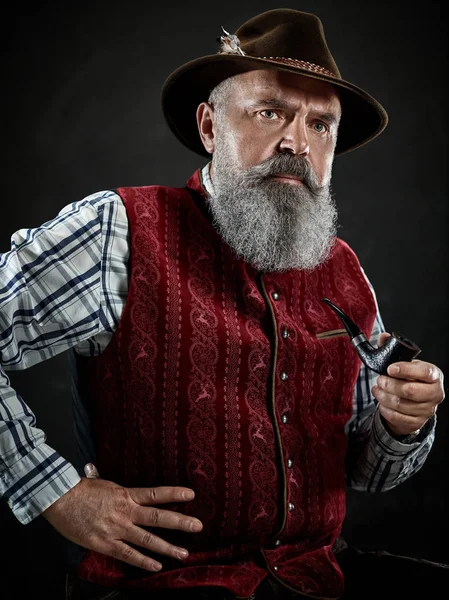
(376, 461)
(54, 295)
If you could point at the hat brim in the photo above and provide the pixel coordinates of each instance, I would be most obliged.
(363, 117)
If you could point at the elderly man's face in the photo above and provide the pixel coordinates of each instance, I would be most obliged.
(274, 111)
(273, 144)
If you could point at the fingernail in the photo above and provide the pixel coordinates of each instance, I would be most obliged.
(196, 525)
(182, 553)
(89, 468)
(157, 566)
(435, 374)
(188, 495)
(393, 369)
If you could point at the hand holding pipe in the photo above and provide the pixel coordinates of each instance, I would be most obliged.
(395, 349)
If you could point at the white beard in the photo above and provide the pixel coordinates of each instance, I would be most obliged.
(272, 225)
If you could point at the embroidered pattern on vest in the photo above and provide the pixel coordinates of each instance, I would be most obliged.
(172, 344)
(201, 429)
(263, 510)
(233, 426)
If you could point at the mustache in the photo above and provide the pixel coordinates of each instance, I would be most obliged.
(285, 164)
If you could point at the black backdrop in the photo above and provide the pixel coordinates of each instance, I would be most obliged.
(81, 113)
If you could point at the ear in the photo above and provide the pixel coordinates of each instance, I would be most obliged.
(205, 118)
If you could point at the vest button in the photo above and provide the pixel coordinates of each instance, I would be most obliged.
(284, 419)
(289, 463)
(275, 568)
(291, 506)
(284, 376)
(275, 296)
(285, 333)
(277, 543)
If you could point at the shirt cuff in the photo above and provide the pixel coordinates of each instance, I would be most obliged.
(398, 448)
(35, 482)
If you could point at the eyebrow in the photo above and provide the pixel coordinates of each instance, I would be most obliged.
(329, 117)
(271, 102)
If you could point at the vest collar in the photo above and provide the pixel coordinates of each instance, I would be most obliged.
(196, 183)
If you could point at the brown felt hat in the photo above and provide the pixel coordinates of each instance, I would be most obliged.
(282, 39)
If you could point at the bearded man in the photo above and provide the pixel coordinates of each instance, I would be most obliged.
(221, 401)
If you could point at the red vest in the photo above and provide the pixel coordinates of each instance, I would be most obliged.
(215, 379)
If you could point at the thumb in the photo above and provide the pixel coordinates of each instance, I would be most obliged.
(383, 337)
(91, 471)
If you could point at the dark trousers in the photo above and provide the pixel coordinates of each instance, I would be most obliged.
(373, 575)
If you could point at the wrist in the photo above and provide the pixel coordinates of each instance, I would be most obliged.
(399, 435)
(408, 437)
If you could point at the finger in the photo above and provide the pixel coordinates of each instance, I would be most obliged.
(421, 410)
(410, 390)
(146, 539)
(416, 370)
(161, 495)
(133, 557)
(91, 472)
(166, 519)
(383, 337)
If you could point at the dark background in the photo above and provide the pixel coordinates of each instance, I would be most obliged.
(81, 113)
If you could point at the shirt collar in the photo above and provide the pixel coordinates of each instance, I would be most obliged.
(206, 179)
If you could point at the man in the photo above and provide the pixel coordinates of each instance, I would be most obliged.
(216, 393)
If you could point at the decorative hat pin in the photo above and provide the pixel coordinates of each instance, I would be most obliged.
(230, 44)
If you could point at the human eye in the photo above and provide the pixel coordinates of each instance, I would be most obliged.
(269, 115)
(320, 127)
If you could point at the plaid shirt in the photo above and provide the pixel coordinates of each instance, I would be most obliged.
(63, 286)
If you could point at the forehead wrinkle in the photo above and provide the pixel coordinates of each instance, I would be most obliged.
(277, 92)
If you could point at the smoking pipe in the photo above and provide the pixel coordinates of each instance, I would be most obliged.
(396, 348)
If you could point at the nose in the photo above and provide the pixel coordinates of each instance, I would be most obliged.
(295, 139)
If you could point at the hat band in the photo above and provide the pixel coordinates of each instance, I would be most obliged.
(295, 62)
(230, 44)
